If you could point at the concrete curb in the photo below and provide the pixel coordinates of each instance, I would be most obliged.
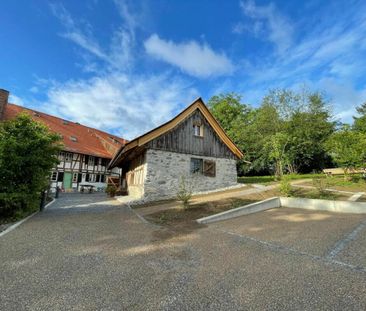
(244, 210)
(302, 203)
(325, 205)
(12, 227)
(50, 203)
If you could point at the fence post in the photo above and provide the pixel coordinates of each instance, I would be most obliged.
(43, 200)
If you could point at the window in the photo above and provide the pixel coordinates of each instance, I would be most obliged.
(75, 177)
(92, 178)
(198, 130)
(61, 156)
(54, 176)
(205, 167)
(68, 157)
(91, 161)
(196, 166)
(209, 168)
(73, 138)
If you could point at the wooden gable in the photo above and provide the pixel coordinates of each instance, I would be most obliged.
(222, 145)
(182, 139)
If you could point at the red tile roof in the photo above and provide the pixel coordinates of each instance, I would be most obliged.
(76, 137)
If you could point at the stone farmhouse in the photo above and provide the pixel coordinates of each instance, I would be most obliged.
(192, 146)
(86, 154)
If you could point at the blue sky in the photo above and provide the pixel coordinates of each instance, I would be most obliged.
(127, 66)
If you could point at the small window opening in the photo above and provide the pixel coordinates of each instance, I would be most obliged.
(198, 130)
(73, 138)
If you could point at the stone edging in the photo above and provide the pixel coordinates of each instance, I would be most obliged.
(18, 223)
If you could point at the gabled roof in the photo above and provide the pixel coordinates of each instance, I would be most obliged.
(145, 138)
(76, 137)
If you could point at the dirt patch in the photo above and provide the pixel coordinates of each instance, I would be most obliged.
(178, 219)
(178, 216)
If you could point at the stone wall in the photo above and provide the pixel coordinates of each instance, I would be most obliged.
(164, 170)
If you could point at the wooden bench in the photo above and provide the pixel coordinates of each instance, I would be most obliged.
(340, 171)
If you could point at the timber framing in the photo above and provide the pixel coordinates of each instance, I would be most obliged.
(149, 136)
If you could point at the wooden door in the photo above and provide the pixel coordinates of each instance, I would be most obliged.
(67, 180)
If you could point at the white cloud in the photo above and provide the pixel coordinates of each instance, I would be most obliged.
(117, 55)
(74, 33)
(345, 97)
(127, 105)
(190, 57)
(16, 100)
(115, 99)
(269, 24)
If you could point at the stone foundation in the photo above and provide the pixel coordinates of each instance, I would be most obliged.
(164, 171)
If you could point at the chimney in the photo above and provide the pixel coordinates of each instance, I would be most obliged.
(4, 95)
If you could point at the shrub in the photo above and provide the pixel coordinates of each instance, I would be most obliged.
(111, 190)
(28, 152)
(321, 184)
(14, 205)
(356, 178)
(285, 186)
(184, 193)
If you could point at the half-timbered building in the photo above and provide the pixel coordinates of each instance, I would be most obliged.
(191, 147)
(86, 152)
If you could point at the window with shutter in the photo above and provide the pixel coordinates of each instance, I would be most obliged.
(196, 166)
(209, 168)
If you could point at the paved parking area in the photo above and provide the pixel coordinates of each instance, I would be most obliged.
(90, 253)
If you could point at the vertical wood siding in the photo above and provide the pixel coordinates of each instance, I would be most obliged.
(182, 139)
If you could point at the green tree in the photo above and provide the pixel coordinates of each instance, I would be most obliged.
(276, 152)
(233, 116)
(360, 122)
(309, 128)
(230, 112)
(348, 148)
(304, 118)
(28, 152)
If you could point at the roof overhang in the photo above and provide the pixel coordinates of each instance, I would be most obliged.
(145, 138)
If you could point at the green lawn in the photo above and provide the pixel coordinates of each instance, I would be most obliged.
(270, 179)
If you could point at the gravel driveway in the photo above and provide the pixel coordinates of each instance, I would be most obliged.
(87, 252)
